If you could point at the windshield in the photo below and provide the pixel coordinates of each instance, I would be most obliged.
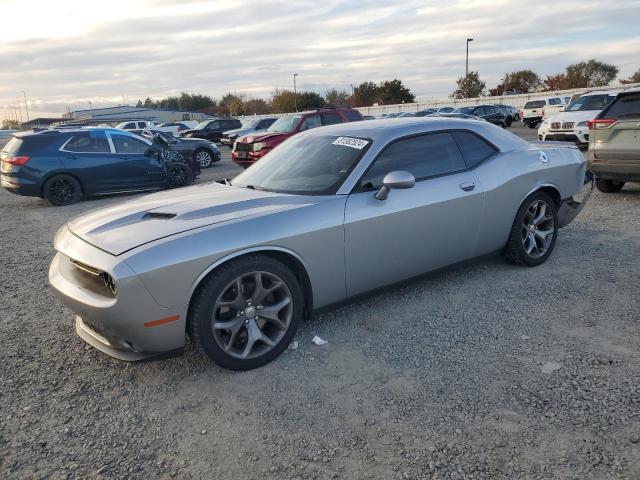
(589, 102)
(202, 125)
(465, 110)
(314, 165)
(285, 124)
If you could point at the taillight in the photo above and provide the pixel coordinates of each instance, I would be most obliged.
(543, 112)
(13, 160)
(598, 123)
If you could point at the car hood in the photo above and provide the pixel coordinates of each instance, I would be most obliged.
(128, 225)
(238, 131)
(581, 116)
(262, 136)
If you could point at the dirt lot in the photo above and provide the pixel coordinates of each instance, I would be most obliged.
(483, 371)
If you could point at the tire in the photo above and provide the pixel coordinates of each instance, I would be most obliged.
(217, 302)
(179, 175)
(527, 235)
(609, 186)
(532, 124)
(502, 125)
(62, 190)
(203, 157)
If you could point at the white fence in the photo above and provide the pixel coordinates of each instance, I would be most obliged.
(514, 100)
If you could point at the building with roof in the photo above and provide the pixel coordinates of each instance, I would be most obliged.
(124, 113)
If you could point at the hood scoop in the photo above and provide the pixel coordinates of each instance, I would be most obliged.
(159, 215)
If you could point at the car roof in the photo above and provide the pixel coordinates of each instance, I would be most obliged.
(386, 129)
(52, 131)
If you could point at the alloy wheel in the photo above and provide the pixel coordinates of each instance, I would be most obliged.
(203, 158)
(62, 190)
(538, 229)
(252, 314)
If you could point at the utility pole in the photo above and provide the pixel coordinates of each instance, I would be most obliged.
(26, 107)
(466, 70)
(91, 108)
(295, 92)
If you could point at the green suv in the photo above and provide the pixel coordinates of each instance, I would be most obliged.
(614, 142)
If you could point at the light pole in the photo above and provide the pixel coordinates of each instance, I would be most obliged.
(26, 107)
(295, 92)
(90, 109)
(466, 70)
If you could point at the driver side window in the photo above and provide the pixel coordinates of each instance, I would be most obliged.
(423, 156)
(212, 126)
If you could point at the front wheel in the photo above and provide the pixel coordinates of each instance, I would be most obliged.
(62, 190)
(178, 175)
(247, 312)
(534, 231)
(609, 186)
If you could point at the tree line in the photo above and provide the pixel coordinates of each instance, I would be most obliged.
(587, 74)
(284, 100)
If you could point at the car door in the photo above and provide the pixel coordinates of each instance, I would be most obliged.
(90, 157)
(136, 169)
(309, 122)
(416, 230)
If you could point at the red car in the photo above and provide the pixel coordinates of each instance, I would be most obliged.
(252, 147)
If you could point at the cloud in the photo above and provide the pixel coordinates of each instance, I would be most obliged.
(76, 53)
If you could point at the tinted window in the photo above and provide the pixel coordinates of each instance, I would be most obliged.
(352, 116)
(555, 101)
(229, 124)
(625, 107)
(491, 110)
(85, 143)
(265, 123)
(29, 143)
(535, 104)
(590, 102)
(473, 148)
(126, 144)
(331, 118)
(142, 125)
(423, 156)
(129, 126)
(309, 122)
(212, 126)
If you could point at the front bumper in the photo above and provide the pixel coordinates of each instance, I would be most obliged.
(571, 207)
(249, 157)
(228, 141)
(579, 136)
(129, 325)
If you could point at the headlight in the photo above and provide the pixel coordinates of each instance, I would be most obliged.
(582, 124)
(259, 146)
(545, 124)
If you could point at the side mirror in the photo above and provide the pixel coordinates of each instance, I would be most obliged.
(397, 179)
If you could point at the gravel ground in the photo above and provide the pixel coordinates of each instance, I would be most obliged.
(484, 371)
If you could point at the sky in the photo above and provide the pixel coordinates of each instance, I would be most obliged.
(66, 53)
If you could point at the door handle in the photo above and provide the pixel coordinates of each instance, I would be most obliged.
(467, 186)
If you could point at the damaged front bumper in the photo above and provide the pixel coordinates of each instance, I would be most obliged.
(572, 206)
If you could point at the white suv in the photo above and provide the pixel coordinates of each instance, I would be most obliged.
(571, 125)
(533, 111)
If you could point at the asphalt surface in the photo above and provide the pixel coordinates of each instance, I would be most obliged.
(483, 371)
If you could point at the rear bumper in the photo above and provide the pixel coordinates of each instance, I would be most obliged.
(628, 171)
(571, 207)
(11, 185)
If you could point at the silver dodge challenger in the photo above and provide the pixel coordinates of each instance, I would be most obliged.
(331, 213)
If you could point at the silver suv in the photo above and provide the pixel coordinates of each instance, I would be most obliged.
(614, 142)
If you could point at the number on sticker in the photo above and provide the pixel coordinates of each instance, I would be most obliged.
(357, 143)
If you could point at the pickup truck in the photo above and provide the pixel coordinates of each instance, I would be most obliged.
(534, 110)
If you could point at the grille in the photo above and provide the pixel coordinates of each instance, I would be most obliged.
(243, 147)
(567, 125)
(555, 125)
(93, 327)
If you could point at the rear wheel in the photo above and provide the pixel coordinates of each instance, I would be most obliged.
(534, 231)
(62, 190)
(247, 312)
(203, 157)
(609, 186)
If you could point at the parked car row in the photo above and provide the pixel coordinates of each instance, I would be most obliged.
(502, 115)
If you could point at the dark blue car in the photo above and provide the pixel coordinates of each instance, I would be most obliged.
(64, 166)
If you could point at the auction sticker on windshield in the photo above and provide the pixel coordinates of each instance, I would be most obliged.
(357, 143)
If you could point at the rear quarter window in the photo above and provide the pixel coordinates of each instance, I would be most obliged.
(474, 149)
(29, 144)
(627, 106)
(352, 116)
